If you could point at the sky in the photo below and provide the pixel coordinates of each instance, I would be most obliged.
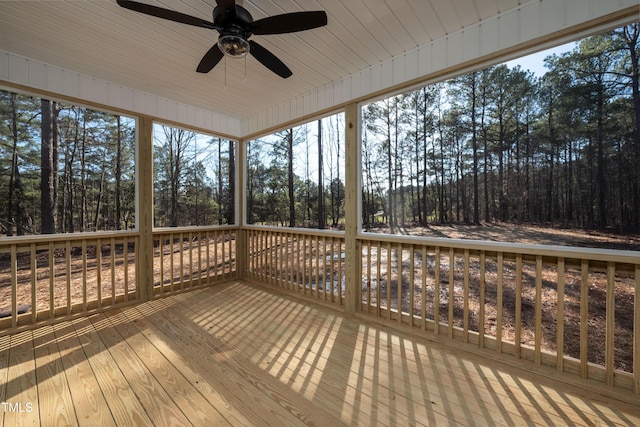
(535, 61)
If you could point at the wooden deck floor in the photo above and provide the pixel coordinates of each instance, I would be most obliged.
(240, 355)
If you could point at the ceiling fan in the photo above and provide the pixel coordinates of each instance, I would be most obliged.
(235, 25)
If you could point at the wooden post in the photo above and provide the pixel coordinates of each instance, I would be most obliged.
(242, 245)
(352, 192)
(144, 169)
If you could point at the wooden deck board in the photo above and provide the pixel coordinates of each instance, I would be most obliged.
(54, 396)
(88, 400)
(124, 406)
(154, 399)
(159, 361)
(237, 354)
(21, 399)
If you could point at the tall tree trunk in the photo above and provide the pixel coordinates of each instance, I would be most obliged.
(390, 176)
(602, 181)
(96, 216)
(83, 175)
(474, 147)
(118, 173)
(292, 201)
(220, 184)
(231, 208)
(14, 214)
(632, 34)
(424, 158)
(321, 215)
(48, 166)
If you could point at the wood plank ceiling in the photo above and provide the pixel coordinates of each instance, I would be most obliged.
(101, 39)
(97, 38)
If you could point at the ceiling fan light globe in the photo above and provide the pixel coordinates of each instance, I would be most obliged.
(233, 46)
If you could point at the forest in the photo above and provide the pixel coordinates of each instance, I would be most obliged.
(501, 144)
(295, 178)
(66, 169)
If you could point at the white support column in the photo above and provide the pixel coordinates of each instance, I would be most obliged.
(144, 170)
(352, 218)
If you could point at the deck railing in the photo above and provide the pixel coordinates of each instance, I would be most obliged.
(43, 277)
(572, 309)
(53, 276)
(191, 257)
(307, 262)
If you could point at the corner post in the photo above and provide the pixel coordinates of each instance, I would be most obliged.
(242, 246)
(352, 193)
(144, 169)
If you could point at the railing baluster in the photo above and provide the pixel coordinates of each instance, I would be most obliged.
(423, 290)
(182, 261)
(341, 272)
(368, 275)
(324, 268)
(67, 252)
(518, 314)
(452, 272)
(199, 237)
(332, 277)
(499, 312)
(399, 281)
(636, 332)
(125, 250)
(436, 292)
(317, 294)
(14, 286)
(388, 287)
(610, 305)
(465, 318)
(538, 342)
(34, 282)
(84, 275)
(99, 271)
(378, 278)
(189, 283)
(290, 266)
(560, 317)
(412, 276)
(161, 252)
(207, 263)
(52, 283)
(584, 319)
(172, 262)
(300, 262)
(483, 292)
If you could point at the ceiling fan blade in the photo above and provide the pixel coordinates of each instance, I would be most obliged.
(227, 12)
(166, 14)
(269, 60)
(210, 59)
(289, 23)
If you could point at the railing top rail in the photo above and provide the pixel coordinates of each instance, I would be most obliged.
(295, 230)
(200, 228)
(63, 237)
(595, 254)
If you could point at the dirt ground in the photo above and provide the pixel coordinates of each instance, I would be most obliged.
(531, 234)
